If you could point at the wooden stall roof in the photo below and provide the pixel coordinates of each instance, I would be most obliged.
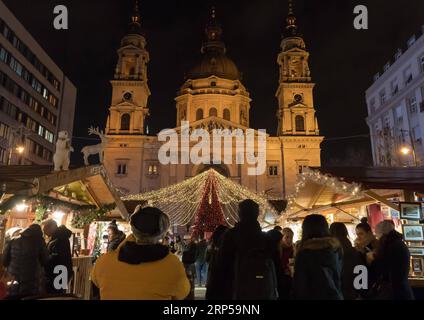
(34, 180)
(377, 185)
(411, 178)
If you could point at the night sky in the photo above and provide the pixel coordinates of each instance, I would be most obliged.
(343, 60)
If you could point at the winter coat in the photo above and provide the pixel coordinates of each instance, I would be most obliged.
(59, 249)
(351, 258)
(189, 253)
(24, 258)
(116, 241)
(201, 249)
(211, 259)
(318, 267)
(391, 265)
(246, 232)
(140, 272)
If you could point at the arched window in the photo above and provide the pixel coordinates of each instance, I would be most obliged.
(132, 71)
(125, 121)
(227, 115)
(213, 112)
(300, 123)
(199, 114)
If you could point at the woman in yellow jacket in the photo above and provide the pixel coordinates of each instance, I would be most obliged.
(141, 268)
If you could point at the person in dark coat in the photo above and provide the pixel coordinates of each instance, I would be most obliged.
(59, 249)
(365, 240)
(366, 244)
(318, 262)
(115, 235)
(237, 241)
(211, 258)
(287, 254)
(391, 264)
(351, 258)
(275, 238)
(201, 264)
(188, 259)
(25, 257)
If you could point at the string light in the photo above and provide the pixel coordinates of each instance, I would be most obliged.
(181, 201)
(353, 189)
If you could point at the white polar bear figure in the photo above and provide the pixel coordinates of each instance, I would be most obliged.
(63, 150)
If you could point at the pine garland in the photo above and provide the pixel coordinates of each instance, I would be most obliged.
(84, 218)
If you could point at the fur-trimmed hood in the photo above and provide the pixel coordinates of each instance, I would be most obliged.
(320, 244)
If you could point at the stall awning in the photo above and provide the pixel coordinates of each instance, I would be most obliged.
(345, 189)
(89, 185)
(411, 178)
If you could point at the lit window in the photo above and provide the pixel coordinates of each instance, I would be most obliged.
(153, 169)
(49, 136)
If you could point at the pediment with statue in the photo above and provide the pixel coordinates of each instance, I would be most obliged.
(215, 123)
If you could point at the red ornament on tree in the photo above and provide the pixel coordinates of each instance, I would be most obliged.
(210, 214)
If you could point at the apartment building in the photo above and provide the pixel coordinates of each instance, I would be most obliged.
(37, 100)
(396, 107)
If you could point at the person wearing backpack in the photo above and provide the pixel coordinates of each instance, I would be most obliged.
(245, 268)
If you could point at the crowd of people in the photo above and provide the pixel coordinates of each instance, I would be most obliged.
(239, 263)
(30, 258)
(246, 263)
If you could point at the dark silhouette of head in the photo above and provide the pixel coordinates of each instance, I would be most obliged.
(364, 226)
(314, 226)
(274, 236)
(278, 228)
(217, 234)
(338, 230)
(248, 210)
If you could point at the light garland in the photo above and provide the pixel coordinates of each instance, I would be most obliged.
(181, 201)
(317, 177)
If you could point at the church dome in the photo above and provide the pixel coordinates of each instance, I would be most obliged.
(214, 63)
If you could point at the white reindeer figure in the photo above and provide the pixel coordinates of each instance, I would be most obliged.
(95, 149)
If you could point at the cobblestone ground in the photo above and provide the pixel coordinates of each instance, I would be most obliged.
(199, 293)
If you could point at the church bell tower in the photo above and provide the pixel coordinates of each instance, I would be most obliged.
(130, 91)
(296, 112)
(297, 123)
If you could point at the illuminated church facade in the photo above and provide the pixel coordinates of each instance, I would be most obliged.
(212, 96)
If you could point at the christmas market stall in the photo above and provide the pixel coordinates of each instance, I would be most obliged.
(204, 202)
(347, 194)
(75, 198)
